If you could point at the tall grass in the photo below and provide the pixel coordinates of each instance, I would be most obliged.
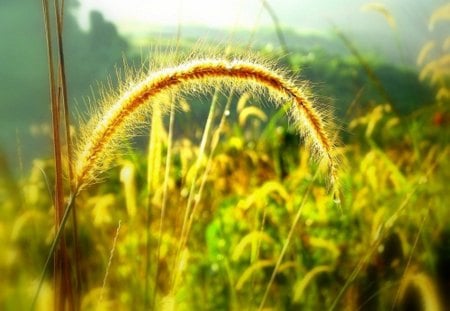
(59, 110)
(103, 133)
(241, 243)
(107, 127)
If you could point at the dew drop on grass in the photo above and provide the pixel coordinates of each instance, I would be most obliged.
(184, 192)
(227, 112)
(197, 197)
(336, 198)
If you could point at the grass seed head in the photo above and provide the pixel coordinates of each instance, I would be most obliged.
(107, 128)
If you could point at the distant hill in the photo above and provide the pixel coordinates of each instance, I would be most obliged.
(369, 29)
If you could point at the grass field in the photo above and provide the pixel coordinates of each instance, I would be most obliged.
(267, 200)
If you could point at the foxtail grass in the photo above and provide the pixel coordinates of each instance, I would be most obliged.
(121, 115)
(110, 125)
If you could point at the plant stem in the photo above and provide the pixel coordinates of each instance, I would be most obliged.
(286, 242)
(58, 236)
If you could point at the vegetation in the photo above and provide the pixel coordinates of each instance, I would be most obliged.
(223, 209)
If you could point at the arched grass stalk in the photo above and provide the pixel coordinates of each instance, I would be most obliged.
(101, 138)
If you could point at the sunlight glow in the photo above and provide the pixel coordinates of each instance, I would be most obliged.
(141, 13)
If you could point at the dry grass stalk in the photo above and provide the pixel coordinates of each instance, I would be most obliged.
(108, 126)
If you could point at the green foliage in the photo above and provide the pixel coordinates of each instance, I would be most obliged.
(392, 195)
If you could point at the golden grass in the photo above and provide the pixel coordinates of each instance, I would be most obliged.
(425, 291)
(441, 14)
(381, 8)
(110, 125)
(425, 51)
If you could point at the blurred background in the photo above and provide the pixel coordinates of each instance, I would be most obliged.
(381, 68)
(98, 35)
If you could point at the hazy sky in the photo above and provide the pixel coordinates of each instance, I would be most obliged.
(215, 13)
(309, 14)
(303, 14)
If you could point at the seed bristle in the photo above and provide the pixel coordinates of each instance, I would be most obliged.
(109, 126)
